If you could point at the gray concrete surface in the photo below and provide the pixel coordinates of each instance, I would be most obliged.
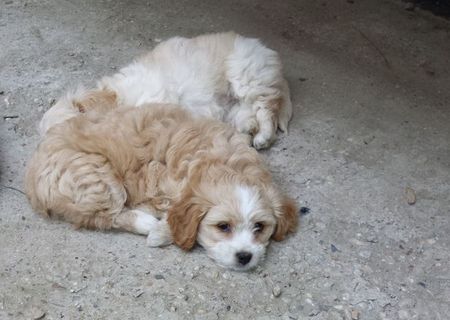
(371, 89)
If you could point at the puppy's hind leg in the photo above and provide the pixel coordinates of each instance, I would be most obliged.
(143, 222)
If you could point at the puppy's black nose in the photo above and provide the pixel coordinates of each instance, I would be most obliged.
(244, 257)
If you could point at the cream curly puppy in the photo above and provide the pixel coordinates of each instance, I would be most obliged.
(158, 171)
(223, 76)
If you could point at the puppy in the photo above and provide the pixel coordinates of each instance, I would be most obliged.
(158, 171)
(223, 76)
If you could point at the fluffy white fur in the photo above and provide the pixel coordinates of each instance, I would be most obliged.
(223, 76)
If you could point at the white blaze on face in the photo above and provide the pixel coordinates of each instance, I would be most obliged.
(248, 202)
(242, 239)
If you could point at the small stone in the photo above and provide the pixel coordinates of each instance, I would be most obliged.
(138, 292)
(159, 277)
(226, 275)
(355, 314)
(333, 248)
(37, 314)
(410, 195)
(304, 211)
(276, 291)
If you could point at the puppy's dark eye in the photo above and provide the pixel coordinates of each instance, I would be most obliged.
(258, 227)
(224, 227)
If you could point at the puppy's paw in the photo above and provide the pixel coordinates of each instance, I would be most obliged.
(144, 222)
(159, 235)
(262, 141)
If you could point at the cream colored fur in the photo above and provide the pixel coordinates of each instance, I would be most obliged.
(223, 76)
(155, 170)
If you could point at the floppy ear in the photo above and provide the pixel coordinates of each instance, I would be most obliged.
(286, 214)
(184, 218)
(287, 219)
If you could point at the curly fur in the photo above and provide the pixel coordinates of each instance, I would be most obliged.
(155, 170)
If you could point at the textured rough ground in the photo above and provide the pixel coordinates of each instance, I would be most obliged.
(370, 85)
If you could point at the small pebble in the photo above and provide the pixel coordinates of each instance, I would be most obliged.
(38, 314)
(422, 284)
(138, 293)
(355, 314)
(276, 291)
(333, 248)
(159, 277)
(304, 211)
(410, 195)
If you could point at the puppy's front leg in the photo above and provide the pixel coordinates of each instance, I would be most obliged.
(159, 234)
(143, 221)
(267, 129)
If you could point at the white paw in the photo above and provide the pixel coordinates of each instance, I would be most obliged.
(144, 222)
(159, 235)
(262, 141)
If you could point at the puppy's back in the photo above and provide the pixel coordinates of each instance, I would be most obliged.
(78, 171)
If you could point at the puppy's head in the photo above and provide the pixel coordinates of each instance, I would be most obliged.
(232, 221)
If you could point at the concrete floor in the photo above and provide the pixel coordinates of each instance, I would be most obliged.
(371, 89)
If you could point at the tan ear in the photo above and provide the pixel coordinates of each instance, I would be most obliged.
(184, 218)
(285, 212)
(287, 219)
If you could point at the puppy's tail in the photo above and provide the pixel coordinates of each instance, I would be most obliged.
(75, 103)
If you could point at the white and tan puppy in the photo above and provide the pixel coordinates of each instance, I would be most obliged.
(223, 76)
(158, 171)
